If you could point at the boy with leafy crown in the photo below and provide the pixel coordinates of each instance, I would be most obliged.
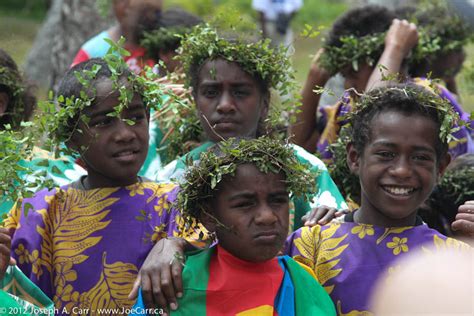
(65, 239)
(266, 68)
(398, 148)
(240, 192)
(231, 81)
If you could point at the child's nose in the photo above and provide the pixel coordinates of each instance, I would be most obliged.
(124, 132)
(402, 168)
(265, 215)
(226, 104)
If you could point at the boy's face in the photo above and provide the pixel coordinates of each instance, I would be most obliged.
(112, 149)
(228, 101)
(398, 168)
(252, 213)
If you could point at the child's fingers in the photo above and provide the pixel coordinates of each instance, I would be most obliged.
(12, 261)
(136, 285)
(320, 215)
(329, 216)
(167, 290)
(176, 272)
(464, 223)
(341, 213)
(467, 207)
(147, 293)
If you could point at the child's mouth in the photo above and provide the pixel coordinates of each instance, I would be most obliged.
(126, 155)
(398, 191)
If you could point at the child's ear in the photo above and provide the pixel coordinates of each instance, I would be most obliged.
(4, 99)
(443, 164)
(353, 158)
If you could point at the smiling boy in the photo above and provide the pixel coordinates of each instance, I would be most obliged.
(399, 150)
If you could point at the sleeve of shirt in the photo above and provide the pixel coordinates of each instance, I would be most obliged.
(302, 244)
(81, 56)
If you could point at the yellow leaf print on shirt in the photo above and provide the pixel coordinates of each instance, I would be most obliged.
(351, 313)
(361, 230)
(319, 250)
(13, 218)
(398, 245)
(71, 218)
(392, 230)
(113, 287)
(158, 189)
(441, 244)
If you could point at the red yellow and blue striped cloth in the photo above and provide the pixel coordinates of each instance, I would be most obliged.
(218, 283)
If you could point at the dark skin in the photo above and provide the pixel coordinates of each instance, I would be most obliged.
(5, 248)
(463, 225)
(112, 149)
(229, 105)
(398, 168)
(250, 214)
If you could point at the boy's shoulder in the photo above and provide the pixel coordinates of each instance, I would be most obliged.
(96, 46)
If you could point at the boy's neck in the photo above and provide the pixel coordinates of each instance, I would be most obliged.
(361, 216)
(89, 183)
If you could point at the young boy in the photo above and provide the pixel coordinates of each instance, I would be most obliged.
(130, 15)
(399, 151)
(240, 191)
(84, 242)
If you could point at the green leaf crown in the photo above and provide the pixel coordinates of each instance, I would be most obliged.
(268, 155)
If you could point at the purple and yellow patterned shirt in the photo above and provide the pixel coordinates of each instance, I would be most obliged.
(348, 258)
(83, 248)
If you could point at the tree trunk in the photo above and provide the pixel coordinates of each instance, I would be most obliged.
(68, 25)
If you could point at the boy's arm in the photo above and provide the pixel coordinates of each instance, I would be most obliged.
(304, 131)
(400, 39)
(5, 248)
(160, 275)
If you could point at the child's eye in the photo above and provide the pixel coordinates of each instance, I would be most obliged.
(241, 93)
(244, 204)
(279, 200)
(137, 118)
(210, 93)
(102, 122)
(385, 154)
(422, 157)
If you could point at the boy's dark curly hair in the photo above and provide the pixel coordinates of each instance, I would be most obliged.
(22, 99)
(71, 87)
(166, 34)
(360, 22)
(408, 99)
(450, 33)
(455, 188)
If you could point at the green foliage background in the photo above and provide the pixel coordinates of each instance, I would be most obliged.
(21, 19)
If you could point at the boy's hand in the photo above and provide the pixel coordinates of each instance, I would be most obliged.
(5, 248)
(464, 222)
(321, 215)
(402, 36)
(318, 71)
(160, 275)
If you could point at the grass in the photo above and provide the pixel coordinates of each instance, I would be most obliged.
(17, 36)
